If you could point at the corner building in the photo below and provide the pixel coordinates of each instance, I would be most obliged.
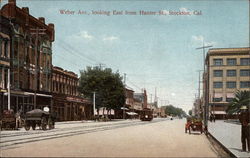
(30, 59)
(228, 71)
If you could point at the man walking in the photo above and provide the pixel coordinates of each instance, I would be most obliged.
(245, 128)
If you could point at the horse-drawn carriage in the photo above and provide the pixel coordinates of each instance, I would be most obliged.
(193, 124)
(40, 118)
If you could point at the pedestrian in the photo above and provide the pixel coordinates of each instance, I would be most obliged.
(214, 118)
(245, 128)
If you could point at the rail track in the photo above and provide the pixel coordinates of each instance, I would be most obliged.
(21, 137)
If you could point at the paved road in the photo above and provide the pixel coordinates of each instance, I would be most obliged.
(130, 138)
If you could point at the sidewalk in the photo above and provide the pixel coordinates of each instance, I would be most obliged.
(229, 135)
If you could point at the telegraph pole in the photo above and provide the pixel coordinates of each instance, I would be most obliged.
(125, 92)
(94, 104)
(36, 32)
(206, 104)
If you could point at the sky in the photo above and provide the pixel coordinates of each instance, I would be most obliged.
(154, 51)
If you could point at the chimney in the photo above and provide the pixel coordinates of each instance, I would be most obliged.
(12, 2)
(51, 25)
(25, 9)
(41, 19)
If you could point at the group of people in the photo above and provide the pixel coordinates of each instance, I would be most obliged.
(244, 118)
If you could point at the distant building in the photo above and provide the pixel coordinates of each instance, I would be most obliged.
(197, 111)
(66, 101)
(141, 98)
(227, 70)
(30, 58)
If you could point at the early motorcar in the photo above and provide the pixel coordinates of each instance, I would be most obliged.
(193, 124)
(40, 118)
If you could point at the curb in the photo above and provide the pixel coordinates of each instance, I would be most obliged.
(223, 147)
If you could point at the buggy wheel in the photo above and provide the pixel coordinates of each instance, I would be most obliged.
(27, 127)
(33, 126)
(44, 123)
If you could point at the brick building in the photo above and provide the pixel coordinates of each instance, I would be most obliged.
(5, 37)
(66, 102)
(31, 58)
(227, 70)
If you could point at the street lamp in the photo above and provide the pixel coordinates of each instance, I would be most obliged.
(206, 104)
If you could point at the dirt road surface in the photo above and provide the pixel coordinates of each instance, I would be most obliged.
(165, 138)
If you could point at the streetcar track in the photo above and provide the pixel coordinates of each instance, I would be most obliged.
(54, 130)
(72, 133)
(57, 133)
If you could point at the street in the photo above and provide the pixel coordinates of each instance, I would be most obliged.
(129, 138)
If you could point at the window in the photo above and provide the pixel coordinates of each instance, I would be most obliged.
(217, 99)
(229, 99)
(231, 73)
(245, 61)
(218, 62)
(1, 42)
(231, 84)
(231, 61)
(218, 73)
(245, 72)
(1, 76)
(218, 85)
(6, 48)
(245, 84)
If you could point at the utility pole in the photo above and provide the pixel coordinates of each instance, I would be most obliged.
(124, 82)
(36, 32)
(199, 87)
(8, 86)
(94, 104)
(206, 89)
(199, 96)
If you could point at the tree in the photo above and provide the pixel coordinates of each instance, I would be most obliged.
(108, 86)
(171, 110)
(241, 98)
(190, 112)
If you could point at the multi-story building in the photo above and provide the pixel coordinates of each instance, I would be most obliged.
(66, 101)
(141, 97)
(227, 70)
(31, 58)
(5, 38)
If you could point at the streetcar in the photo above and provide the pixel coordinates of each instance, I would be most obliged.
(146, 114)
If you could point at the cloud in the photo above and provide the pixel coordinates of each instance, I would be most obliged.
(183, 9)
(198, 40)
(83, 34)
(110, 38)
(86, 35)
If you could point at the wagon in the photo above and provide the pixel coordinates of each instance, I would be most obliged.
(8, 120)
(40, 118)
(193, 125)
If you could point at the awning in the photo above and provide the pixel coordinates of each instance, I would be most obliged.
(131, 113)
(38, 94)
(219, 112)
(230, 95)
(124, 108)
(218, 95)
